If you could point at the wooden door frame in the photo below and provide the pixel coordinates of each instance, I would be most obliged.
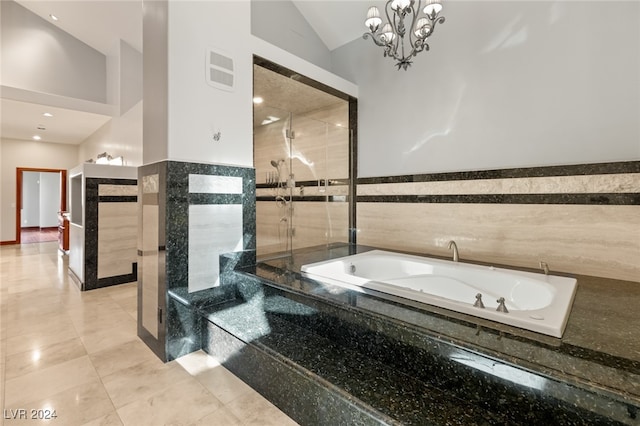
(63, 193)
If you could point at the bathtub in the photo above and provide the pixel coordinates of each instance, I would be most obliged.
(535, 302)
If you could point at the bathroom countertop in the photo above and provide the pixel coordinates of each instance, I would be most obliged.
(598, 353)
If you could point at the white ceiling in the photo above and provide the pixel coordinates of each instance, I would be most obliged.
(20, 120)
(336, 22)
(99, 23)
(102, 23)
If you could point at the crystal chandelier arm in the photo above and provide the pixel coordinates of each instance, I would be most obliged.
(440, 20)
(391, 49)
(374, 37)
(414, 41)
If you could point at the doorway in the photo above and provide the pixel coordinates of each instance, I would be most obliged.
(304, 157)
(40, 195)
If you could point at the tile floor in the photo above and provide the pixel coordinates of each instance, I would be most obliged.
(78, 353)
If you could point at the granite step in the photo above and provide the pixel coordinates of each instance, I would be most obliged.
(367, 384)
(366, 369)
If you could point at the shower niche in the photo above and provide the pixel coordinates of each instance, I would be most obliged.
(302, 158)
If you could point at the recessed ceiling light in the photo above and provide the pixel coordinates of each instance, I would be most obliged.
(54, 17)
(48, 114)
(258, 100)
(36, 138)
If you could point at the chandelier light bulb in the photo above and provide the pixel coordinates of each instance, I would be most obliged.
(387, 33)
(423, 26)
(373, 19)
(400, 4)
(432, 7)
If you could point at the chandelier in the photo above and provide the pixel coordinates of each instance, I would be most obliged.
(392, 35)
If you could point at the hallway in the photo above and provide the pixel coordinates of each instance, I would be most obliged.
(77, 353)
(38, 235)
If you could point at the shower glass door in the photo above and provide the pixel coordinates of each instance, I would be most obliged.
(302, 179)
(320, 162)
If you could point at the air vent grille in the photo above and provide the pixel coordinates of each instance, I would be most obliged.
(219, 70)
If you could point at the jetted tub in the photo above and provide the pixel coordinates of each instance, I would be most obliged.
(535, 302)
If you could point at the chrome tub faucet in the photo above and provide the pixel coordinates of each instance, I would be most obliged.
(452, 245)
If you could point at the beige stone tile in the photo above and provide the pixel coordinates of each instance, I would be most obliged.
(254, 409)
(49, 381)
(142, 381)
(74, 406)
(123, 291)
(119, 320)
(197, 362)
(96, 342)
(111, 419)
(37, 359)
(37, 341)
(223, 384)
(40, 325)
(176, 405)
(122, 356)
(221, 417)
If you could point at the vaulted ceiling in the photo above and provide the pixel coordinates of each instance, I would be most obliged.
(101, 24)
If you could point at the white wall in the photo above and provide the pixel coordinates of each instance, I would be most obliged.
(19, 153)
(49, 199)
(39, 57)
(197, 110)
(281, 23)
(155, 71)
(30, 214)
(193, 110)
(120, 136)
(505, 84)
(130, 77)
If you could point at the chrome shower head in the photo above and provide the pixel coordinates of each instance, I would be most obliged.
(274, 163)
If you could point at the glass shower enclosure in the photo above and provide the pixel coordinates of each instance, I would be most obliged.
(302, 178)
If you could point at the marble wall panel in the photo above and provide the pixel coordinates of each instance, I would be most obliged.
(150, 263)
(117, 238)
(610, 183)
(205, 184)
(213, 230)
(117, 190)
(593, 240)
(151, 184)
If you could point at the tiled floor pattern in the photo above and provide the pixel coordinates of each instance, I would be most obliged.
(77, 353)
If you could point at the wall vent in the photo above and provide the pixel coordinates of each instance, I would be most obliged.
(219, 70)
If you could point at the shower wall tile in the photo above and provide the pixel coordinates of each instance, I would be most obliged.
(314, 223)
(312, 190)
(318, 157)
(320, 148)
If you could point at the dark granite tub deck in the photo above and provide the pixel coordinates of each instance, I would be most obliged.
(327, 355)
